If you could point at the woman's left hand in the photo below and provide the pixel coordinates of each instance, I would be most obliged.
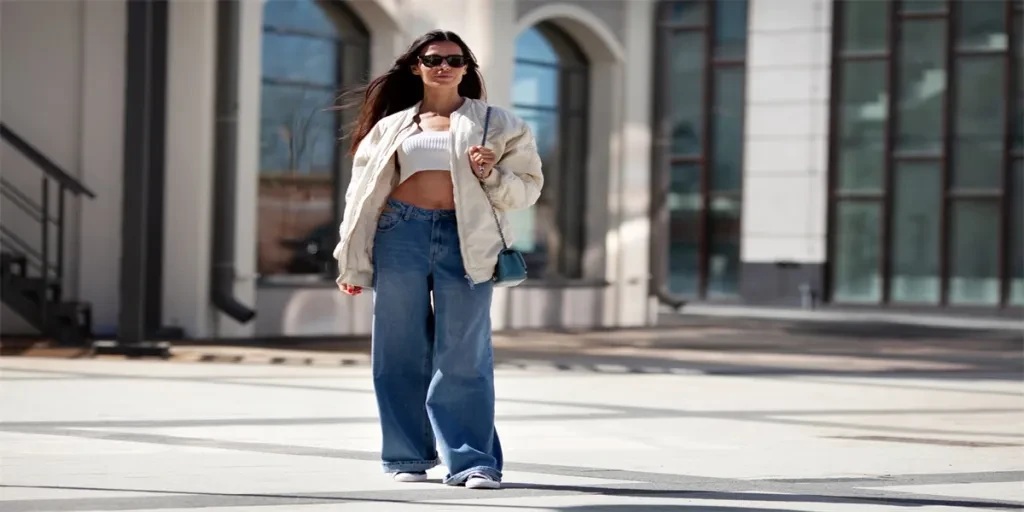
(482, 161)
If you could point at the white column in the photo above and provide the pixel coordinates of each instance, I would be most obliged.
(786, 147)
(631, 251)
(189, 166)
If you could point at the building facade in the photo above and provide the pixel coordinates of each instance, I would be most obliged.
(761, 152)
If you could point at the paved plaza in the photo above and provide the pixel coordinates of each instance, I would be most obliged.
(745, 418)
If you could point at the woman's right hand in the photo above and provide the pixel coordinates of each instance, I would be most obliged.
(351, 290)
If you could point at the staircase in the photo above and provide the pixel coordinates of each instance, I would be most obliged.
(31, 275)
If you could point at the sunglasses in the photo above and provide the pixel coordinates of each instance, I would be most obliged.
(434, 60)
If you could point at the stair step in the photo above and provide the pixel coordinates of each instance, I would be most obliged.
(13, 264)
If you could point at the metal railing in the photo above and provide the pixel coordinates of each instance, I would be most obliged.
(51, 271)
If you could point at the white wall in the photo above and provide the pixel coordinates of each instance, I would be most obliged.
(62, 77)
(786, 148)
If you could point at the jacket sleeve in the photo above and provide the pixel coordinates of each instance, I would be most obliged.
(517, 179)
(359, 163)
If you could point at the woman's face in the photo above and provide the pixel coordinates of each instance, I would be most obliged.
(441, 64)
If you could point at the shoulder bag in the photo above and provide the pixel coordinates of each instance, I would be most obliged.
(511, 267)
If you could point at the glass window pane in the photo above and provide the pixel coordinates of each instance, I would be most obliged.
(1017, 234)
(731, 29)
(297, 131)
(684, 12)
(915, 238)
(684, 203)
(532, 45)
(981, 25)
(974, 253)
(922, 5)
(304, 15)
(978, 121)
(300, 59)
(297, 187)
(727, 130)
(922, 87)
(863, 110)
(535, 85)
(724, 247)
(685, 91)
(865, 26)
(856, 272)
(532, 227)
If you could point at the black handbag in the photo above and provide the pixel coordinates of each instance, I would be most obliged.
(511, 267)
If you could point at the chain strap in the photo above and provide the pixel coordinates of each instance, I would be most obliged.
(494, 212)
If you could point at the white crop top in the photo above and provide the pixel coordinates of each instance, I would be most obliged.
(424, 151)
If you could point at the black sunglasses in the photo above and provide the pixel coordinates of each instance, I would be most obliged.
(434, 60)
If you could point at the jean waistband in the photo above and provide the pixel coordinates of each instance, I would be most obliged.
(408, 211)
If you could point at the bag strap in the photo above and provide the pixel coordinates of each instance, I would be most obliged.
(487, 121)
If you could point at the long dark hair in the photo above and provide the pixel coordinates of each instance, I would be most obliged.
(399, 89)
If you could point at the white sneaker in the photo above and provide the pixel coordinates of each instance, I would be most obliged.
(478, 481)
(411, 477)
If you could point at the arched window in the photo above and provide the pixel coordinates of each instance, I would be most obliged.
(312, 50)
(550, 93)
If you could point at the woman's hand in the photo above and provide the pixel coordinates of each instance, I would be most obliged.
(351, 290)
(482, 161)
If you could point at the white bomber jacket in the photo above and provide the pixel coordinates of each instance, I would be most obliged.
(515, 183)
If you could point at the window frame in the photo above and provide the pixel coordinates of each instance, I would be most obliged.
(663, 157)
(892, 159)
(573, 177)
(345, 77)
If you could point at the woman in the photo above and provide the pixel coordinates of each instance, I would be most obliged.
(418, 229)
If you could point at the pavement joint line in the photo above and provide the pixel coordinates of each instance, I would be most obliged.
(528, 467)
(756, 416)
(455, 495)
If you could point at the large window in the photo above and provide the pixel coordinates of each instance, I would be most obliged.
(550, 93)
(927, 180)
(701, 64)
(312, 50)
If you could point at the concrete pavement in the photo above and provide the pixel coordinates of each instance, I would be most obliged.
(705, 418)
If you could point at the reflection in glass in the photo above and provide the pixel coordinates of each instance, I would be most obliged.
(685, 204)
(856, 267)
(864, 26)
(724, 248)
(1017, 233)
(727, 129)
(304, 64)
(683, 12)
(730, 29)
(915, 239)
(685, 94)
(921, 5)
(981, 25)
(300, 59)
(549, 89)
(922, 87)
(863, 110)
(297, 130)
(974, 254)
(301, 16)
(978, 121)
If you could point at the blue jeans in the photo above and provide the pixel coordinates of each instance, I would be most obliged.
(433, 365)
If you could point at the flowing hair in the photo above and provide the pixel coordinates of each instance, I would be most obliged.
(399, 89)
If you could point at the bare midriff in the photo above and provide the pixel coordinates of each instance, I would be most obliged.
(431, 190)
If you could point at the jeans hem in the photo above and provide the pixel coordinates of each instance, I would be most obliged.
(461, 477)
(409, 466)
